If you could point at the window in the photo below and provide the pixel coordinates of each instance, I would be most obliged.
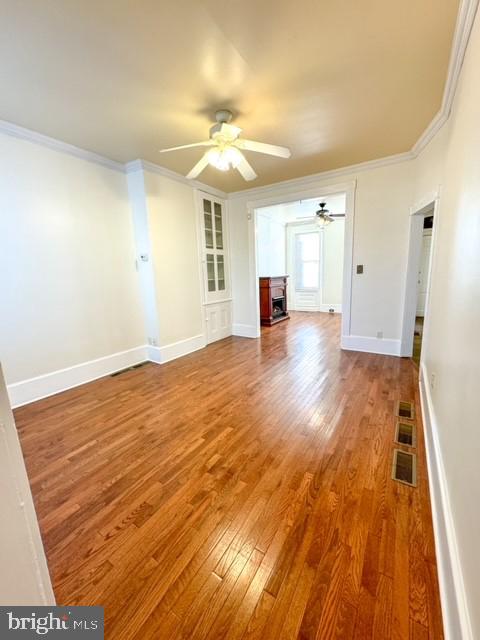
(214, 245)
(307, 259)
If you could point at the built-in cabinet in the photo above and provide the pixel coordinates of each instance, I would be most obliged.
(215, 267)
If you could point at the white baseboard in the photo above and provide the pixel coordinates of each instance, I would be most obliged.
(26, 391)
(245, 331)
(456, 619)
(383, 346)
(164, 354)
(323, 308)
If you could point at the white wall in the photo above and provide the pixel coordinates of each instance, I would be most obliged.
(452, 349)
(68, 285)
(24, 574)
(271, 245)
(383, 198)
(172, 219)
(332, 273)
(76, 300)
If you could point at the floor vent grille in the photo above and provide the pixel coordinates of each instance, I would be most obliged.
(135, 366)
(404, 467)
(406, 434)
(405, 410)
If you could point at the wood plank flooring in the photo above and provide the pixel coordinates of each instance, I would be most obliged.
(241, 492)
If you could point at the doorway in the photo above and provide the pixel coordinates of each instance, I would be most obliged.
(420, 258)
(422, 287)
(291, 240)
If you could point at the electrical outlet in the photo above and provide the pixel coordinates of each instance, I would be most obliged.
(432, 381)
(379, 335)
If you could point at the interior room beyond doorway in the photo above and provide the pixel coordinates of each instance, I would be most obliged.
(293, 240)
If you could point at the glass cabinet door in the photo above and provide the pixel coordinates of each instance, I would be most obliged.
(214, 247)
(218, 226)
(208, 223)
(221, 273)
(211, 272)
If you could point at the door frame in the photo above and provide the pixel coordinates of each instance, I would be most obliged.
(427, 207)
(320, 191)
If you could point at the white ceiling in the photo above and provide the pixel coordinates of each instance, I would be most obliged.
(338, 81)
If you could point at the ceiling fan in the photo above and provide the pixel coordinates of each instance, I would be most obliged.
(226, 148)
(324, 216)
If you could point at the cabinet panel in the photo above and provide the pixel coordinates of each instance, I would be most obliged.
(219, 321)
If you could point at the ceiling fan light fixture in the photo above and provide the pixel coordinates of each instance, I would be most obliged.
(223, 159)
(323, 215)
(226, 149)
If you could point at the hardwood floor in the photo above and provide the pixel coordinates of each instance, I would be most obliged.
(243, 491)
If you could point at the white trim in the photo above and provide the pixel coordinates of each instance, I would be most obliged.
(304, 181)
(456, 618)
(383, 346)
(463, 28)
(245, 331)
(464, 24)
(175, 350)
(49, 384)
(206, 304)
(16, 131)
(145, 165)
(26, 391)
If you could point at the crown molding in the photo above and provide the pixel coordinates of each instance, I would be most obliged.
(145, 165)
(463, 28)
(323, 175)
(16, 131)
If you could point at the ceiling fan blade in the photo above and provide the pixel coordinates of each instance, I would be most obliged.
(199, 167)
(246, 170)
(230, 131)
(205, 143)
(262, 147)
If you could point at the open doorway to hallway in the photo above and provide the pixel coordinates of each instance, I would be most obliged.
(422, 287)
(300, 257)
(420, 258)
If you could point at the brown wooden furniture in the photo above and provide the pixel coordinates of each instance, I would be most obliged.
(273, 300)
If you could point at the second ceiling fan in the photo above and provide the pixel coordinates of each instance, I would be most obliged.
(226, 147)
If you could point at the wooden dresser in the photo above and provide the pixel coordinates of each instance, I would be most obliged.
(273, 300)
